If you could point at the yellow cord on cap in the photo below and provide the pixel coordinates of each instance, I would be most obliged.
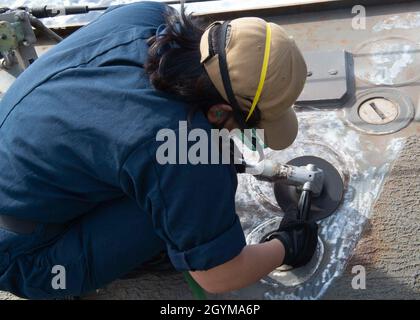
(263, 72)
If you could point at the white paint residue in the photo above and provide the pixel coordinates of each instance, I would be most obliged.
(408, 21)
(326, 135)
(391, 61)
(387, 61)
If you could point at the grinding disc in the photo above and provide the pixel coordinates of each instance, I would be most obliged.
(327, 202)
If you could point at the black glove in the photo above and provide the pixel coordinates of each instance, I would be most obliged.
(299, 238)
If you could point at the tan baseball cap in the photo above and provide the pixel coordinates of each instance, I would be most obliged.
(251, 44)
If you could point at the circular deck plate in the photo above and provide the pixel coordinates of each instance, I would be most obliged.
(327, 202)
(285, 275)
(387, 61)
(392, 105)
(378, 111)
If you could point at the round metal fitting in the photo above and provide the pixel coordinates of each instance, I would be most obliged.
(381, 111)
(378, 111)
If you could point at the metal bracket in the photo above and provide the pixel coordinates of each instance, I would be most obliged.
(330, 81)
(17, 39)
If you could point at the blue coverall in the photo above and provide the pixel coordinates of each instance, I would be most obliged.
(77, 159)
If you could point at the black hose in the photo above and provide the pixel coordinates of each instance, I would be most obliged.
(98, 8)
(304, 205)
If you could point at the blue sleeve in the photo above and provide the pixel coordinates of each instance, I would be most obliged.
(144, 14)
(192, 206)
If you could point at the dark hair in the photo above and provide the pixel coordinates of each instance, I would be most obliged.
(174, 63)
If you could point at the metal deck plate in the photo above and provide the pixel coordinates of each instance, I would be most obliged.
(330, 80)
(381, 101)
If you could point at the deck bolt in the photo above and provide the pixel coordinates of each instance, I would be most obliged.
(309, 74)
(333, 72)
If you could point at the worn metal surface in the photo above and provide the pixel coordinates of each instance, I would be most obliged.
(390, 247)
(390, 251)
(393, 261)
(322, 134)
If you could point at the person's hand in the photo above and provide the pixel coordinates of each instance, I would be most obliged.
(299, 239)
